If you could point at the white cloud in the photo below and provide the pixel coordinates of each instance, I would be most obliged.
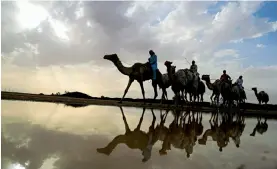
(226, 52)
(45, 62)
(260, 46)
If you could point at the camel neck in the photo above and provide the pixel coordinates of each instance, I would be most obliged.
(124, 70)
(256, 93)
(209, 84)
(170, 74)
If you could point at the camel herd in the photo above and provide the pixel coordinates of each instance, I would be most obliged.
(182, 82)
(183, 132)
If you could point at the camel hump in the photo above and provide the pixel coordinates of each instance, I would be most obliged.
(263, 93)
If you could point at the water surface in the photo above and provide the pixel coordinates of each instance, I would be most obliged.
(46, 135)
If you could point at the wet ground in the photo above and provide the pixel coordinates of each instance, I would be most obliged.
(46, 135)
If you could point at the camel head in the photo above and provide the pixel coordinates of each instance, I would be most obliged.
(111, 57)
(170, 67)
(254, 88)
(167, 63)
(206, 77)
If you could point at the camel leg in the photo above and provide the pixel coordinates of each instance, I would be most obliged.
(127, 129)
(142, 90)
(127, 88)
(154, 84)
(154, 119)
(185, 97)
(163, 116)
(163, 97)
(254, 132)
(165, 92)
(212, 97)
(140, 120)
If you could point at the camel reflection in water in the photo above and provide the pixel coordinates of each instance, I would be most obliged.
(31, 144)
(138, 139)
(231, 125)
(261, 127)
(183, 134)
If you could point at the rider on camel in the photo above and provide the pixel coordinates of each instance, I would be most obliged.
(154, 65)
(193, 69)
(239, 82)
(225, 77)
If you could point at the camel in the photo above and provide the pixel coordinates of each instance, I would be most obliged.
(137, 139)
(262, 96)
(235, 128)
(166, 83)
(226, 91)
(181, 135)
(200, 91)
(261, 127)
(196, 126)
(215, 87)
(192, 86)
(129, 138)
(140, 72)
(235, 94)
(228, 127)
(180, 80)
(242, 94)
(217, 133)
(238, 94)
(175, 86)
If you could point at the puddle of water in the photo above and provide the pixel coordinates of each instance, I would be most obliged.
(46, 135)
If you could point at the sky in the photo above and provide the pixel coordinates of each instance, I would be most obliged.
(57, 46)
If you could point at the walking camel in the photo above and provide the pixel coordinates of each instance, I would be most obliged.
(140, 72)
(215, 87)
(200, 91)
(180, 80)
(262, 96)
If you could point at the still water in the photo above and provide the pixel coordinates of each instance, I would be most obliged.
(45, 135)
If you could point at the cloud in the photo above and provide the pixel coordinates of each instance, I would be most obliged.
(65, 50)
(226, 52)
(260, 46)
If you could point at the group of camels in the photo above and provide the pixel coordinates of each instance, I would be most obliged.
(182, 132)
(182, 81)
